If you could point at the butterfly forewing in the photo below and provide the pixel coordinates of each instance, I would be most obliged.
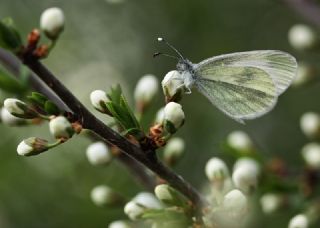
(241, 92)
(280, 66)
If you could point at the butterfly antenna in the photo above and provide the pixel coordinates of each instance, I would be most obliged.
(164, 54)
(160, 39)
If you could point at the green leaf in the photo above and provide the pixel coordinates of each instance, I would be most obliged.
(9, 84)
(9, 37)
(38, 99)
(169, 127)
(51, 108)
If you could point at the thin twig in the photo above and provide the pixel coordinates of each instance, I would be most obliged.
(308, 9)
(147, 158)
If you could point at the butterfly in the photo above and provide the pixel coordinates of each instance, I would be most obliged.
(243, 85)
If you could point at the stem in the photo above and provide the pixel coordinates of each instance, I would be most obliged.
(89, 121)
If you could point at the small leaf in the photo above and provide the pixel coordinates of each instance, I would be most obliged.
(9, 37)
(9, 84)
(51, 108)
(38, 99)
(169, 127)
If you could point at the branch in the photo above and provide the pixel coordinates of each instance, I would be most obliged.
(308, 9)
(148, 158)
(12, 64)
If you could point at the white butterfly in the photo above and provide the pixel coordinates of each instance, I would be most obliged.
(243, 85)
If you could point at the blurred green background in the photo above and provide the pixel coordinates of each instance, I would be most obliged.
(106, 43)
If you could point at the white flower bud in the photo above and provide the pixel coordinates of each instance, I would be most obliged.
(32, 146)
(52, 22)
(103, 195)
(173, 85)
(311, 155)
(270, 202)
(310, 124)
(148, 200)
(146, 89)
(60, 127)
(98, 154)
(134, 210)
(299, 221)
(173, 150)
(19, 108)
(9, 119)
(235, 202)
(119, 224)
(216, 170)
(159, 116)
(305, 74)
(98, 99)
(245, 174)
(170, 196)
(239, 140)
(174, 114)
(302, 37)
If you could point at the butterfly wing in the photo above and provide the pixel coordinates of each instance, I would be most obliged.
(281, 66)
(245, 85)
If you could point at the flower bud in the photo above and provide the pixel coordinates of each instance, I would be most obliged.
(245, 174)
(134, 210)
(240, 141)
(216, 170)
(311, 155)
(146, 89)
(32, 146)
(19, 109)
(299, 221)
(305, 74)
(137, 206)
(9, 119)
(52, 22)
(310, 124)
(174, 116)
(173, 86)
(270, 202)
(170, 196)
(98, 154)
(235, 202)
(103, 195)
(173, 150)
(302, 37)
(148, 200)
(159, 116)
(119, 224)
(60, 127)
(98, 100)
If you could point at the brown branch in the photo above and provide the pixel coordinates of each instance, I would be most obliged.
(12, 64)
(308, 9)
(89, 121)
(148, 158)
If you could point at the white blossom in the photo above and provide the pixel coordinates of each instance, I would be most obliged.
(102, 195)
(9, 119)
(310, 124)
(146, 89)
(216, 170)
(270, 202)
(235, 202)
(118, 224)
(60, 127)
(299, 221)
(302, 37)
(173, 85)
(311, 155)
(98, 98)
(239, 140)
(174, 114)
(32, 146)
(305, 74)
(52, 22)
(134, 210)
(159, 116)
(98, 153)
(174, 149)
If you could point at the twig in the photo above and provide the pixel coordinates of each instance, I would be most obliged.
(308, 9)
(148, 158)
(12, 64)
